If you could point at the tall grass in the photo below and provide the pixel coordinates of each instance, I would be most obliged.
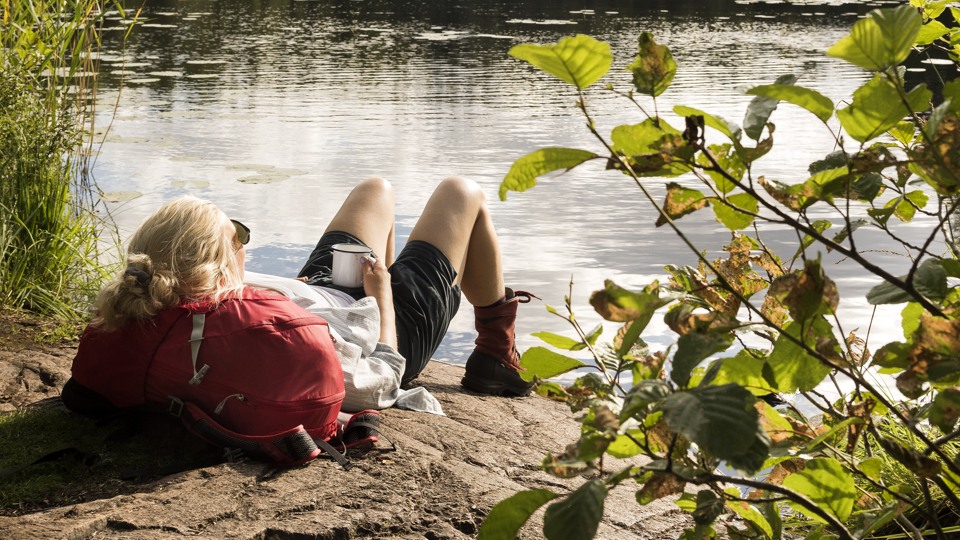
(49, 228)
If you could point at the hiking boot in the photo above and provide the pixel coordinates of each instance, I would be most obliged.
(493, 366)
(487, 375)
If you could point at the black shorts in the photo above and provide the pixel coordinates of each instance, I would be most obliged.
(425, 299)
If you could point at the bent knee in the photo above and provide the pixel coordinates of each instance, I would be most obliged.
(375, 183)
(464, 187)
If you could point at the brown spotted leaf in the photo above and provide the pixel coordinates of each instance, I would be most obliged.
(782, 193)
(938, 163)
(910, 458)
(774, 310)
(806, 293)
(614, 303)
(935, 352)
(945, 410)
(858, 353)
(660, 485)
(681, 201)
(654, 67)
(683, 320)
(861, 410)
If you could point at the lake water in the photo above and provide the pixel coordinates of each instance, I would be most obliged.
(274, 109)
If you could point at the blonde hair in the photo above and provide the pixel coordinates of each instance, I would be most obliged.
(178, 253)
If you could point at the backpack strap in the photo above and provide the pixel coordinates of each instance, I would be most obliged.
(196, 338)
(362, 431)
(291, 447)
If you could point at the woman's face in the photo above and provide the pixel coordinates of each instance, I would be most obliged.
(240, 251)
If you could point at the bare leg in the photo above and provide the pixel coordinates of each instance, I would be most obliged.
(367, 213)
(457, 222)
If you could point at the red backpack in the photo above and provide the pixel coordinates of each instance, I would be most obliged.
(258, 370)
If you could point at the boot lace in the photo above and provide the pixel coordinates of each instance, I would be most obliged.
(524, 297)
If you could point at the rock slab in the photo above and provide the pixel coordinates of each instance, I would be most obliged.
(446, 475)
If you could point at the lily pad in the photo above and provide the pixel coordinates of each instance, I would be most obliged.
(120, 196)
(263, 179)
(544, 21)
(195, 184)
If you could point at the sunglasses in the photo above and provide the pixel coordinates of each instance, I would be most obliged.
(243, 232)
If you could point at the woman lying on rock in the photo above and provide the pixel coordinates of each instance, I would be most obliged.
(183, 323)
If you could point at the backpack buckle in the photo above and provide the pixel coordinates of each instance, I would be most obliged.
(232, 455)
(176, 407)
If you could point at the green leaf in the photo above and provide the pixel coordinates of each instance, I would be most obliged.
(579, 60)
(945, 410)
(872, 467)
(507, 518)
(951, 267)
(692, 349)
(680, 201)
(881, 40)
(721, 420)
(591, 336)
(932, 126)
(894, 355)
(839, 427)
(642, 395)
(544, 363)
(642, 138)
(760, 109)
(560, 342)
(867, 187)
(728, 159)
(623, 447)
(811, 100)
(877, 107)
(746, 370)
(792, 367)
(904, 132)
(910, 318)
(951, 91)
(881, 215)
(614, 303)
(819, 225)
(826, 483)
(524, 171)
(930, 280)
(654, 67)
(578, 516)
(731, 218)
(709, 507)
(845, 233)
(731, 130)
(931, 32)
(748, 512)
(912, 200)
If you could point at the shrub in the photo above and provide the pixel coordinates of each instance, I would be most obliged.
(713, 414)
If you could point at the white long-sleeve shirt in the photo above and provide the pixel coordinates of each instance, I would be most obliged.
(371, 370)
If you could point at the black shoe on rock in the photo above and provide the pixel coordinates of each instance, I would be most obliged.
(487, 375)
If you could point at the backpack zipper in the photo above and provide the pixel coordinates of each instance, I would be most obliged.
(223, 403)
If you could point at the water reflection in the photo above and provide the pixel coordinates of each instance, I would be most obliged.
(275, 109)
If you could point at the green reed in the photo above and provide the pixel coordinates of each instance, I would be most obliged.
(49, 227)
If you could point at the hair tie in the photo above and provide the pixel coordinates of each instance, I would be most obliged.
(143, 278)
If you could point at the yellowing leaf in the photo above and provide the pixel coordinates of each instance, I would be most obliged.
(579, 60)
(524, 172)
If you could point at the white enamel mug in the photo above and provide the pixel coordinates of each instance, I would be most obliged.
(347, 268)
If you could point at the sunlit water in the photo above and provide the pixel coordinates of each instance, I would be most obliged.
(274, 110)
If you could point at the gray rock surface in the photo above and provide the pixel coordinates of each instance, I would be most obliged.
(446, 476)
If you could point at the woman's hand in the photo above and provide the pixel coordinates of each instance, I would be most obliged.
(376, 283)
